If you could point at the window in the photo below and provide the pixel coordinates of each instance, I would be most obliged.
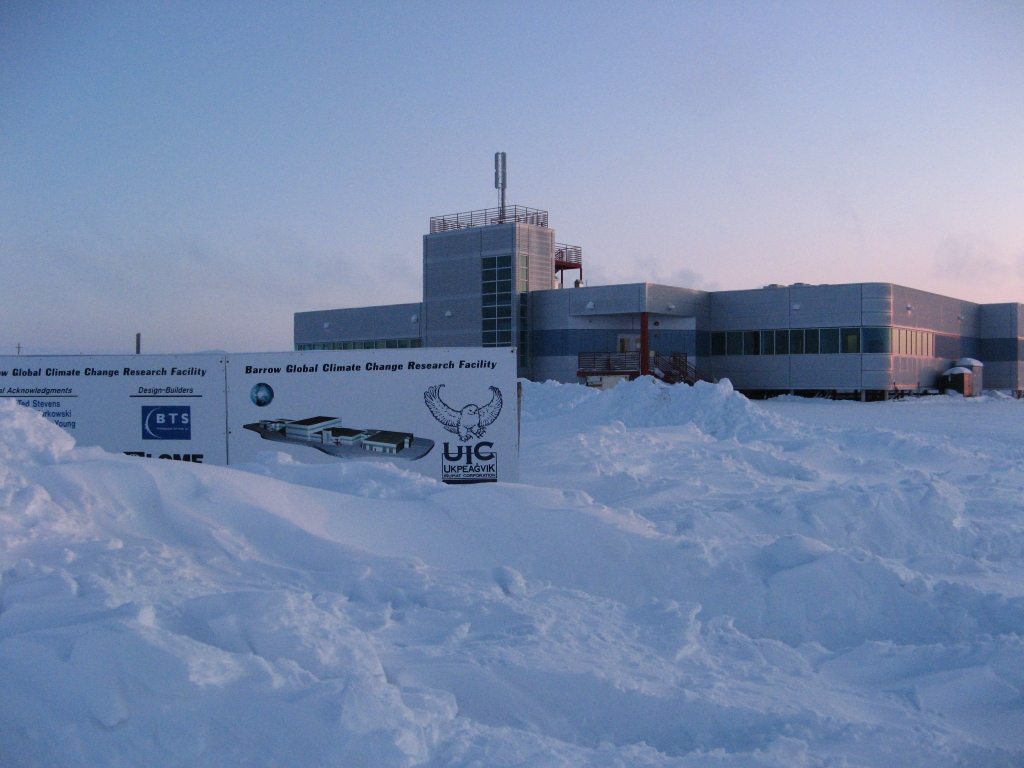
(524, 273)
(717, 344)
(751, 343)
(812, 341)
(906, 341)
(829, 341)
(877, 340)
(796, 342)
(524, 332)
(782, 342)
(496, 300)
(734, 342)
(849, 340)
(767, 343)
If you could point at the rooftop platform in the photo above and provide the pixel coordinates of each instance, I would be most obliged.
(487, 216)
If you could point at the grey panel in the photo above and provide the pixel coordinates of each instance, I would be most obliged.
(876, 380)
(753, 372)
(550, 309)
(750, 310)
(392, 321)
(876, 290)
(1002, 375)
(825, 371)
(451, 283)
(539, 244)
(876, 318)
(876, 363)
(561, 369)
(684, 302)
(1000, 321)
(608, 299)
(876, 305)
(917, 372)
(912, 308)
(626, 322)
(497, 239)
(825, 306)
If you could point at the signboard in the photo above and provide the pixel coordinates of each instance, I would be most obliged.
(159, 406)
(451, 414)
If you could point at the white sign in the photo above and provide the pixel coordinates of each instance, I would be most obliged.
(158, 406)
(452, 414)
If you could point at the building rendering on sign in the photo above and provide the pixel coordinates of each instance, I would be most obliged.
(495, 277)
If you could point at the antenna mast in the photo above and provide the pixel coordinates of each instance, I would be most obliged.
(500, 181)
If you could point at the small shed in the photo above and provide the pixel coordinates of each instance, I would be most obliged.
(960, 379)
(976, 367)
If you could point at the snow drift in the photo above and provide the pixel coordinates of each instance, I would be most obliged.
(683, 578)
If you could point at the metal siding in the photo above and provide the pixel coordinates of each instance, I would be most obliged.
(608, 299)
(561, 369)
(749, 310)
(1002, 375)
(550, 309)
(687, 302)
(451, 271)
(393, 321)
(754, 371)
(876, 291)
(1000, 321)
(825, 372)
(934, 312)
(825, 306)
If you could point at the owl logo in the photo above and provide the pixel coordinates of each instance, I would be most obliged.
(471, 421)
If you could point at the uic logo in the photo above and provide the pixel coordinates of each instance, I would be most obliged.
(469, 454)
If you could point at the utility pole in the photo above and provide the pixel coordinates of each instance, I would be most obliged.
(18, 347)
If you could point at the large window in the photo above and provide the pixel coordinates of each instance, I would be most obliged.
(497, 301)
(876, 340)
(524, 330)
(829, 341)
(718, 343)
(372, 344)
(824, 341)
(782, 342)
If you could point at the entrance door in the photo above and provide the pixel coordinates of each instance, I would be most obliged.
(629, 343)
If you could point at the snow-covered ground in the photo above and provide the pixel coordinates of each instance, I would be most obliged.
(683, 578)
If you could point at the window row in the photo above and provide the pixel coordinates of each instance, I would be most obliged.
(824, 341)
(496, 290)
(375, 344)
(497, 338)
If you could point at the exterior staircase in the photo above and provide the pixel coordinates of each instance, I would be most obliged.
(675, 368)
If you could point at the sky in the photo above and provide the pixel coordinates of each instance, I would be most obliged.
(198, 172)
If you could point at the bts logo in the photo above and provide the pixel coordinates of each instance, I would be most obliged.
(166, 422)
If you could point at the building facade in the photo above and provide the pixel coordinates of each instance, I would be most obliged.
(493, 278)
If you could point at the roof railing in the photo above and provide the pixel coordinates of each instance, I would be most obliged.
(568, 254)
(518, 214)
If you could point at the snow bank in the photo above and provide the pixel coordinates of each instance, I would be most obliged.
(715, 409)
(684, 578)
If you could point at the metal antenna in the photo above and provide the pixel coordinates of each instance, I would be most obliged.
(500, 181)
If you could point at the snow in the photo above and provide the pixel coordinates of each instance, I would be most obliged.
(682, 578)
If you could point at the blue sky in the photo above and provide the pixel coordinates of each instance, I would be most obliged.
(199, 172)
